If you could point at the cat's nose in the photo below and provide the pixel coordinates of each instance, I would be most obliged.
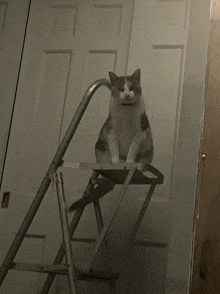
(126, 96)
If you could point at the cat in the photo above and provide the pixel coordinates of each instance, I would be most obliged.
(126, 134)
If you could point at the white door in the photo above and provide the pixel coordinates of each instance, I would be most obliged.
(69, 45)
(65, 51)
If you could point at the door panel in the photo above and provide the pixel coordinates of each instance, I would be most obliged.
(160, 54)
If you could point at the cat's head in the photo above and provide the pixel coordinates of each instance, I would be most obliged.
(126, 90)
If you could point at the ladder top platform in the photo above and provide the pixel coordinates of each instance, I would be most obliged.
(117, 172)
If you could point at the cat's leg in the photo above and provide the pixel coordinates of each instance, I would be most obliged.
(145, 157)
(134, 148)
(113, 147)
(103, 157)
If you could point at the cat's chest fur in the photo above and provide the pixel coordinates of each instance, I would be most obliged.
(126, 123)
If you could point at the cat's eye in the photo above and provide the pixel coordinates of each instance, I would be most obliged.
(121, 89)
(131, 88)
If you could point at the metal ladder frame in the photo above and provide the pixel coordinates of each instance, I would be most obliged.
(68, 231)
(49, 177)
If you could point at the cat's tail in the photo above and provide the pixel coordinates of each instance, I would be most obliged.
(104, 186)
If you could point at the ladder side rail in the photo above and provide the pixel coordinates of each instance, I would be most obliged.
(49, 177)
(99, 218)
(57, 160)
(72, 227)
(65, 231)
(98, 214)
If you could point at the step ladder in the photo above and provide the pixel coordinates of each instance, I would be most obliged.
(103, 180)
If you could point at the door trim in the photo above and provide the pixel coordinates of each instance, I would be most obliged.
(10, 109)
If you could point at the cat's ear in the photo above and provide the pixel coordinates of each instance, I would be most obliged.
(113, 77)
(137, 75)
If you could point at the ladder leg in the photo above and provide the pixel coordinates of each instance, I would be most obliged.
(23, 229)
(99, 219)
(142, 212)
(59, 257)
(98, 215)
(105, 229)
(72, 228)
(65, 231)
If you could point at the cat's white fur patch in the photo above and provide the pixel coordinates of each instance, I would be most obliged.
(127, 93)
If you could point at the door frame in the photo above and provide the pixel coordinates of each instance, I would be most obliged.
(205, 264)
(183, 196)
(9, 89)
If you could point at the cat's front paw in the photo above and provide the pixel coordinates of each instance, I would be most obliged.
(130, 161)
(143, 167)
(115, 160)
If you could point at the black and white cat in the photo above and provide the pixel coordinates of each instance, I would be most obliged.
(126, 134)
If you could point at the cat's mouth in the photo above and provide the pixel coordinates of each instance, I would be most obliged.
(126, 104)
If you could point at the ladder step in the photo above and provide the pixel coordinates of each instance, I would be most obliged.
(102, 276)
(42, 268)
(100, 166)
(117, 172)
(62, 269)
